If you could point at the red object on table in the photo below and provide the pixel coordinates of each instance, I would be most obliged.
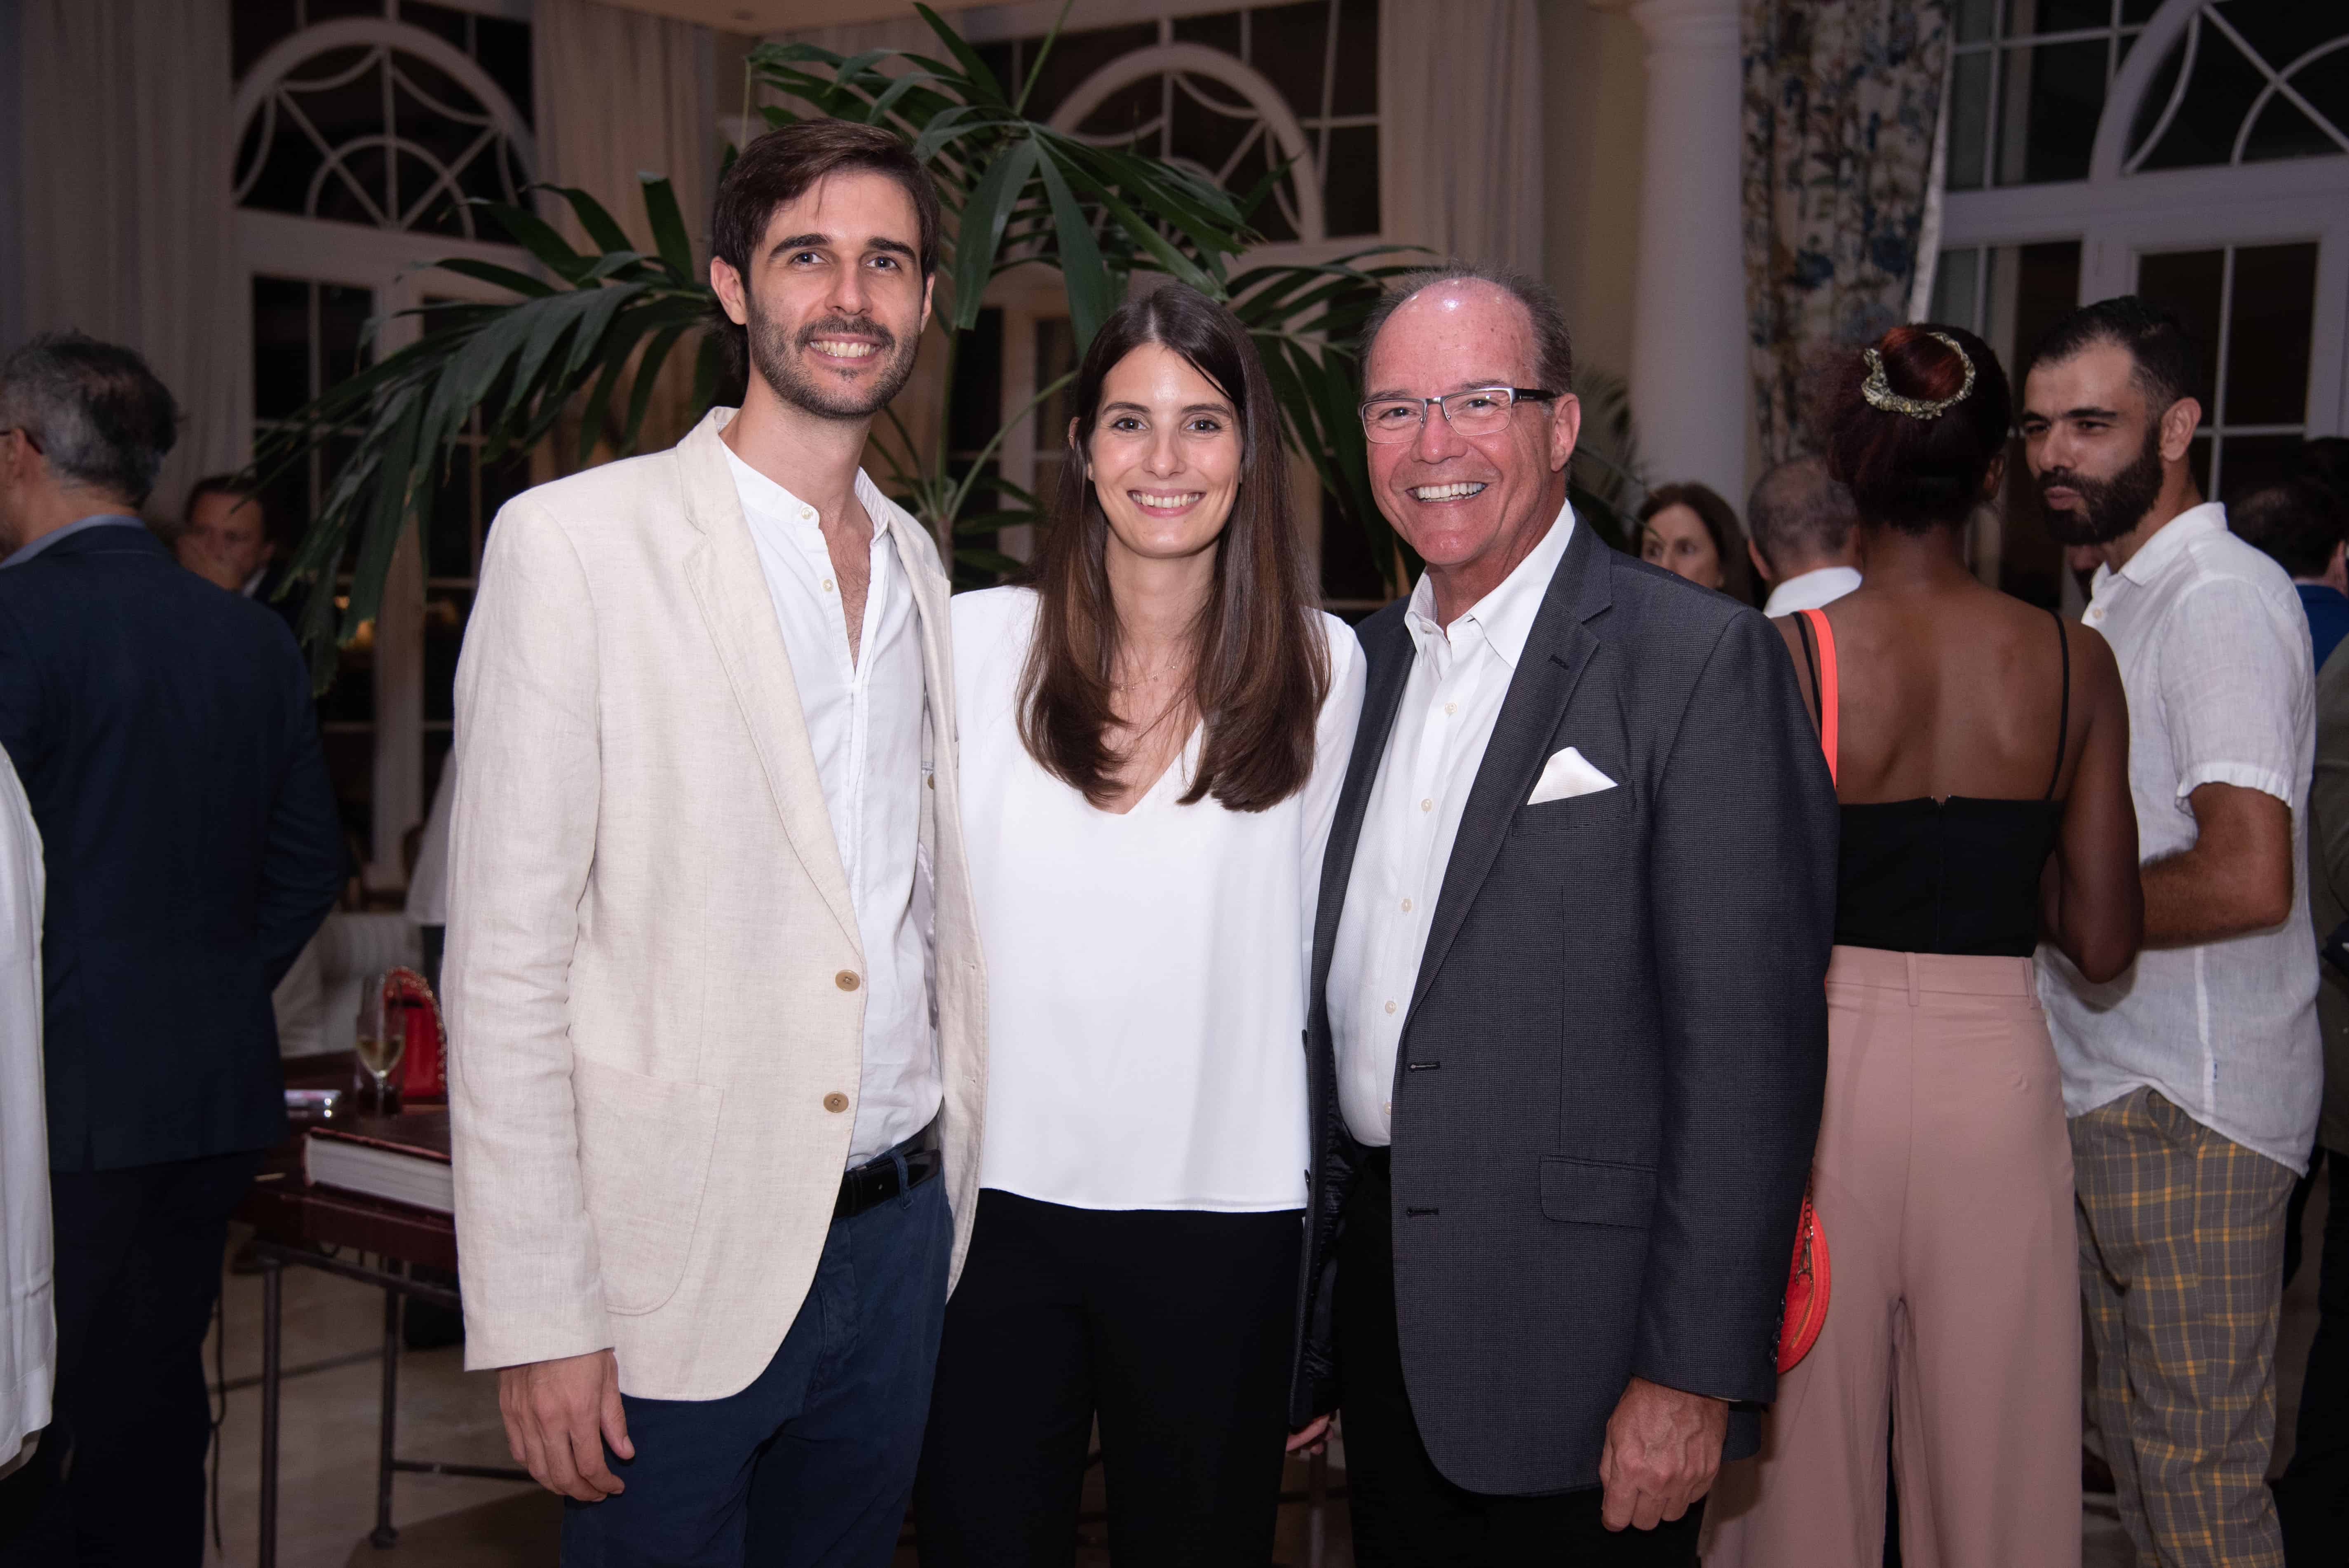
(424, 1069)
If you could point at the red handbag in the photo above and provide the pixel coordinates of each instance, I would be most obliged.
(424, 1069)
(1807, 1276)
(1806, 1311)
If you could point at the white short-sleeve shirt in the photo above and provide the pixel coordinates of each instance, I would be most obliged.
(1145, 973)
(2214, 654)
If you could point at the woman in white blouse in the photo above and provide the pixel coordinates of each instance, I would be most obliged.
(1153, 732)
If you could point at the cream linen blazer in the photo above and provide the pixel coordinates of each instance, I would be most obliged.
(652, 965)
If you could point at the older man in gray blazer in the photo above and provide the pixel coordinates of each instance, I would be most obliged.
(1569, 1043)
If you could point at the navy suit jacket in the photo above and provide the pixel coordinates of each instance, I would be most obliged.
(164, 732)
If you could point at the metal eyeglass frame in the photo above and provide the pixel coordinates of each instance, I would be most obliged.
(1516, 395)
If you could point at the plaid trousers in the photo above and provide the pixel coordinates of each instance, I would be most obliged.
(2181, 1270)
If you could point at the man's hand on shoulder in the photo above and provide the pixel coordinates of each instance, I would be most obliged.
(1663, 1449)
(560, 1414)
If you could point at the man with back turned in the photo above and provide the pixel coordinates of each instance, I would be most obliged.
(165, 736)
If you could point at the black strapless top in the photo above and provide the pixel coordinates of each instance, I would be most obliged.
(1958, 876)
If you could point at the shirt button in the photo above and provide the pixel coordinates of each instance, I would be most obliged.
(846, 980)
(1386, 1107)
(835, 1103)
(1390, 1007)
(1406, 906)
(808, 513)
(827, 585)
(1427, 806)
(1451, 708)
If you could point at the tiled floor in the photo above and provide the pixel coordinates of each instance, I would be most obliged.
(334, 1330)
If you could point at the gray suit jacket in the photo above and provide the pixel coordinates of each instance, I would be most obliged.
(1618, 1028)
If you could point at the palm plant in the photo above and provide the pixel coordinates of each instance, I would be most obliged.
(1017, 194)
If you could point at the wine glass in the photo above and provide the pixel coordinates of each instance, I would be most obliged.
(382, 1039)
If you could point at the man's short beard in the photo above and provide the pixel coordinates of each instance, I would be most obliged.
(775, 358)
(2109, 507)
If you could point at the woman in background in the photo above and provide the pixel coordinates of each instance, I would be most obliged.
(1154, 729)
(1979, 747)
(1692, 532)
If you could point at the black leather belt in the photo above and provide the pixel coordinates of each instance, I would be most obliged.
(878, 1179)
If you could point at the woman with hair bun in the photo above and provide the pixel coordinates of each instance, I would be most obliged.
(1979, 747)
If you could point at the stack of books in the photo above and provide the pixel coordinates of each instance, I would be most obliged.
(402, 1158)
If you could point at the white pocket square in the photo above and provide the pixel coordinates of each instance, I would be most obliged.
(1568, 774)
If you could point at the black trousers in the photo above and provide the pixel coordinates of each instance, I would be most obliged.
(1405, 1513)
(119, 1476)
(1172, 1326)
(2312, 1494)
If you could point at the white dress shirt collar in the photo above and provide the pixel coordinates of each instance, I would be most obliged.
(772, 501)
(1503, 617)
(1812, 590)
(2154, 556)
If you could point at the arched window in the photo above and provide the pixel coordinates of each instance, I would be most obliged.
(360, 143)
(2193, 150)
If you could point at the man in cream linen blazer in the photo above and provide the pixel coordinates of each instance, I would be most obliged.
(656, 976)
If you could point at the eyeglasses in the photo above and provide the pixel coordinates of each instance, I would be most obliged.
(1478, 412)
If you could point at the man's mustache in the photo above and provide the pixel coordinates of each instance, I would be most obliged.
(847, 326)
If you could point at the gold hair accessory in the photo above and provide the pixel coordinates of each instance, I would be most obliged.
(1880, 395)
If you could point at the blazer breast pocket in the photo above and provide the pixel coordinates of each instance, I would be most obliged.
(1576, 813)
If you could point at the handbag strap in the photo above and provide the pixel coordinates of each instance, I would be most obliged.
(1827, 689)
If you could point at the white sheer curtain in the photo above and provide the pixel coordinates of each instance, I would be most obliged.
(619, 94)
(126, 231)
(1460, 156)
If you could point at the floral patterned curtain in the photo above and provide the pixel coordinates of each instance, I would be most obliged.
(1840, 101)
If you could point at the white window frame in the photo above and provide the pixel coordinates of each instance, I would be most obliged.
(2118, 215)
(396, 266)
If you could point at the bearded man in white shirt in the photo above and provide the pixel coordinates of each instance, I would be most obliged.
(2193, 1079)
(713, 978)
(1799, 529)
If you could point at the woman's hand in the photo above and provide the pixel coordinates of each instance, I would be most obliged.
(1313, 1437)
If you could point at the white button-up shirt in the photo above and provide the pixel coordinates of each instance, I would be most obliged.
(27, 1332)
(1450, 702)
(864, 725)
(2214, 655)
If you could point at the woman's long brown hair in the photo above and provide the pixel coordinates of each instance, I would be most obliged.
(1260, 667)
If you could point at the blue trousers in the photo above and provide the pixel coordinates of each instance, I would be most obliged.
(811, 1466)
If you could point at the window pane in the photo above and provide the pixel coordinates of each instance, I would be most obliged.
(2188, 281)
(1219, 31)
(1285, 43)
(2220, 93)
(1969, 120)
(1355, 89)
(1078, 56)
(2046, 289)
(2051, 97)
(281, 346)
(1350, 207)
(1955, 278)
(2198, 459)
(2268, 337)
(2025, 17)
(1972, 19)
